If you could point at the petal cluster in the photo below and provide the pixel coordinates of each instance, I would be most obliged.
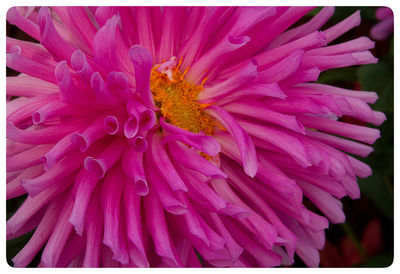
(112, 181)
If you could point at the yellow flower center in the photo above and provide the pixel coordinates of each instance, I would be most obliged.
(176, 100)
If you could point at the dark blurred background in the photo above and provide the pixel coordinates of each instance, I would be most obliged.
(366, 238)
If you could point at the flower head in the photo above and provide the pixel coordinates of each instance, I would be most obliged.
(143, 141)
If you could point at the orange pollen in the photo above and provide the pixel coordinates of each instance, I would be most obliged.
(176, 100)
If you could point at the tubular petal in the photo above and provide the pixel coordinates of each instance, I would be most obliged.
(132, 164)
(27, 158)
(106, 159)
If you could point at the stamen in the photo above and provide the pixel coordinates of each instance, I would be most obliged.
(180, 62)
(176, 99)
(204, 81)
(186, 70)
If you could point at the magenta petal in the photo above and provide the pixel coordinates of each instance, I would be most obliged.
(79, 23)
(106, 159)
(139, 143)
(109, 48)
(58, 151)
(142, 62)
(222, 89)
(342, 27)
(133, 223)
(28, 86)
(257, 110)
(55, 245)
(157, 227)
(242, 139)
(191, 159)
(359, 133)
(164, 193)
(50, 38)
(102, 92)
(132, 164)
(257, 91)
(14, 17)
(213, 56)
(53, 176)
(91, 134)
(40, 236)
(17, 61)
(27, 158)
(204, 143)
(85, 183)
(69, 91)
(162, 162)
(14, 186)
(331, 207)
(47, 135)
(118, 83)
(80, 64)
(283, 69)
(131, 127)
(147, 117)
(111, 125)
(111, 194)
(199, 190)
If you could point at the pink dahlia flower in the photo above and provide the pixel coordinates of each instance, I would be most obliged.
(181, 136)
(384, 28)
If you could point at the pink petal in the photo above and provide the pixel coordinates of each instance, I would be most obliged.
(342, 27)
(164, 193)
(18, 62)
(243, 141)
(331, 207)
(132, 163)
(192, 160)
(85, 183)
(106, 159)
(111, 194)
(162, 162)
(214, 55)
(142, 62)
(222, 89)
(50, 38)
(94, 232)
(157, 228)
(204, 143)
(15, 18)
(27, 158)
(257, 110)
(132, 202)
(40, 236)
(27, 86)
(359, 133)
(59, 236)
